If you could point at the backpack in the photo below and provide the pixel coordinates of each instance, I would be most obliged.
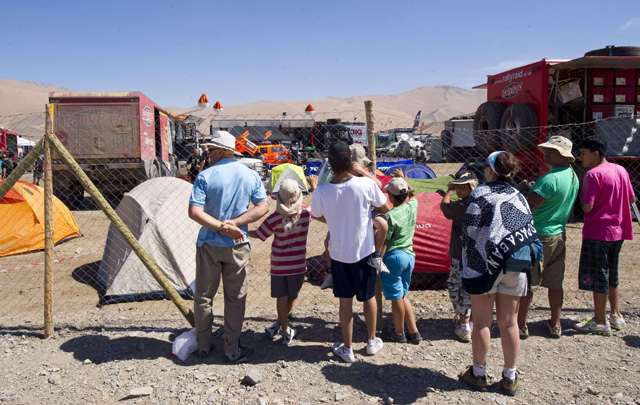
(524, 258)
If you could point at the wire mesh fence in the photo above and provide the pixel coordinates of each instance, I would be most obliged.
(141, 162)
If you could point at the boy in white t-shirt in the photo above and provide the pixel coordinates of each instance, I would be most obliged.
(344, 205)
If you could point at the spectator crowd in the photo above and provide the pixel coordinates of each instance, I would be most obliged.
(508, 239)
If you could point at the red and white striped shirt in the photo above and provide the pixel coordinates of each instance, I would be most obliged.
(289, 247)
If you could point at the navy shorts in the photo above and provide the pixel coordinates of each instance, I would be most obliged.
(599, 265)
(351, 279)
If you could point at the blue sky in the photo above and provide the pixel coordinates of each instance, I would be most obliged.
(245, 51)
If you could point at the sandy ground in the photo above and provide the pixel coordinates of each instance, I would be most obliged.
(99, 354)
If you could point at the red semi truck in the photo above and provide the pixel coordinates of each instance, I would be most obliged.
(8, 142)
(598, 94)
(119, 139)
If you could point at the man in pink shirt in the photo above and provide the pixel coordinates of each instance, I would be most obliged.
(605, 197)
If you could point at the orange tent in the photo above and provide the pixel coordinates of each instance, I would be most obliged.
(22, 216)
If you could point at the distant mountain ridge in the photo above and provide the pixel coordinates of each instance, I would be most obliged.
(22, 105)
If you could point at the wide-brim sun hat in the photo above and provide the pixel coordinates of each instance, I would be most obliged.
(289, 198)
(224, 140)
(561, 144)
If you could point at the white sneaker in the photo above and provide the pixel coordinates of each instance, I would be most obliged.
(378, 264)
(288, 335)
(616, 322)
(591, 326)
(463, 334)
(338, 350)
(327, 283)
(272, 330)
(374, 348)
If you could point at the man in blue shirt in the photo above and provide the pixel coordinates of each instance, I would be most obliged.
(220, 203)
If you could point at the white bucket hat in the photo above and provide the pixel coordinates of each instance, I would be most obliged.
(224, 140)
(561, 144)
(358, 154)
(289, 198)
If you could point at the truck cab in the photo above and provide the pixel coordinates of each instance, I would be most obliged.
(273, 155)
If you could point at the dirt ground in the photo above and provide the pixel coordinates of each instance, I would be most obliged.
(101, 354)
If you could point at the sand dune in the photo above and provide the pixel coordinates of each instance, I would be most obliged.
(22, 107)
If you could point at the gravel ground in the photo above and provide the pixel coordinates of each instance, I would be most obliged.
(108, 364)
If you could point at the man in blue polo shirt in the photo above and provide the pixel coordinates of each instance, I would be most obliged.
(220, 203)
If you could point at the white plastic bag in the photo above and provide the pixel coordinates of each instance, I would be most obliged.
(185, 344)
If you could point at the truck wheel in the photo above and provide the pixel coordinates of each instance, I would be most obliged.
(615, 51)
(519, 128)
(486, 124)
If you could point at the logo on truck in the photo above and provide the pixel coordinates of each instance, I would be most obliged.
(511, 90)
(147, 116)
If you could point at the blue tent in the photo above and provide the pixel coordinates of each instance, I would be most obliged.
(413, 171)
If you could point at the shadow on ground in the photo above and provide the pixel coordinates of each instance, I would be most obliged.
(402, 383)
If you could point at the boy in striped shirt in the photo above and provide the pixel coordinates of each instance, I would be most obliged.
(290, 225)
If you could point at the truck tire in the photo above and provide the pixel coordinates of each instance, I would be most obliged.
(519, 127)
(486, 124)
(615, 51)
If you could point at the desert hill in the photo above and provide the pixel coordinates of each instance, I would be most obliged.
(22, 106)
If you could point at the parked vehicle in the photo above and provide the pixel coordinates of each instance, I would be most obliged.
(8, 142)
(119, 139)
(601, 88)
(457, 138)
(273, 155)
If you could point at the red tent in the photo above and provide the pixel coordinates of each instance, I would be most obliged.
(432, 235)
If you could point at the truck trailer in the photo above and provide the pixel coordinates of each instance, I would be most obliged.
(119, 139)
(594, 95)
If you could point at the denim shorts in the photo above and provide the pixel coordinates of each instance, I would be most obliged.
(395, 285)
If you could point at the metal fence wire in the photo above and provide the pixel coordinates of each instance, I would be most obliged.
(143, 172)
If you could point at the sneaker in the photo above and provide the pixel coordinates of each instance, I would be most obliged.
(239, 357)
(377, 263)
(524, 332)
(288, 335)
(591, 326)
(327, 283)
(414, 338)
(338, 350)
(374, 348)
(508, 387)
(554, 331)
(392, 337)
(463, 334)
(477, 383)
(272, 330)
(616, 322)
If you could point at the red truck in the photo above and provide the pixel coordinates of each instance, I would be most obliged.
(598, 94)
(8, 142)
(119, 139)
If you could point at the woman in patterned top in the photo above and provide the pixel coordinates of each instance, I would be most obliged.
(498, 222)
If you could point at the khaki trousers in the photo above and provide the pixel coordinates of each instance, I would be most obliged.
(230, 264)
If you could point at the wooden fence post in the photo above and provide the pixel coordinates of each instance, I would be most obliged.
(48, 228)
(371, 152)
(371, 134)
